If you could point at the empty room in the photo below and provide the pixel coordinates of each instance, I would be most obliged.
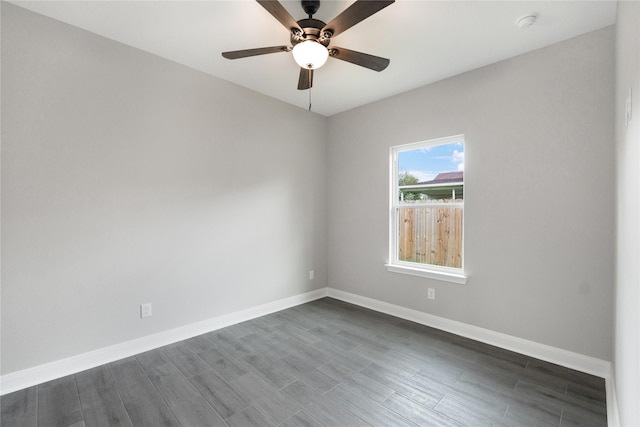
(320, 213)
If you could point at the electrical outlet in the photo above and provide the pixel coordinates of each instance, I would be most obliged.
(431, 293)
(145, 310)
(312, 275)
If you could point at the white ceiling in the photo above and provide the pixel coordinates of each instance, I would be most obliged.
(426, 41)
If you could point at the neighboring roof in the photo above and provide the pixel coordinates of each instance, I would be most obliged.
(444, 186)
(445, 178)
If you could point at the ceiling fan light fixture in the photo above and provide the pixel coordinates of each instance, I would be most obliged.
(310, 54)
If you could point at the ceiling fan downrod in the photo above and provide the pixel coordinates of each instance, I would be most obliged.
(310, 7)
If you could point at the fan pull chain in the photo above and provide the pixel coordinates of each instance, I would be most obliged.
(310, 89)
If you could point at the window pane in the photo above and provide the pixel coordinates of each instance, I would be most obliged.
(431, 234)
(431, 173)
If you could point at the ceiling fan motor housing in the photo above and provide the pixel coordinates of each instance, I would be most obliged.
(311, 30)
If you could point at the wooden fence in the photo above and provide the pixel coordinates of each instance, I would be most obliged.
(431, 234)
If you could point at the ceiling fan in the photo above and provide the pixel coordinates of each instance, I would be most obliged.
(311, 37)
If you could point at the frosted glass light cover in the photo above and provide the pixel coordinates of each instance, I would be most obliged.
(310, 54)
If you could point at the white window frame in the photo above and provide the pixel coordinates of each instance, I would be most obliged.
(448, 274)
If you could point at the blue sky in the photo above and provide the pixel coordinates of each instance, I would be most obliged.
(426, 163)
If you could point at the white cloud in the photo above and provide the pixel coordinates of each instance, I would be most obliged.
(458, 156)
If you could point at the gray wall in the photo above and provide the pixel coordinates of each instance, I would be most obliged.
(128, 179)
(539, 196)
(627, 303)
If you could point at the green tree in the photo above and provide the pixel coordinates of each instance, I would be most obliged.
(407, 179)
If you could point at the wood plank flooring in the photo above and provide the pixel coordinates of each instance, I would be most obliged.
(325, 363)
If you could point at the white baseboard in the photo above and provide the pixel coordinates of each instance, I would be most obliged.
(613, 416)
(60, 368)
(579, 362)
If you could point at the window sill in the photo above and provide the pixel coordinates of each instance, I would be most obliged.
(446, 276)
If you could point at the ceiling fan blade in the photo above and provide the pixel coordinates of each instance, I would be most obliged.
(357, 12)
(305, 81)
(371, 62)
(235, 54)
(280, 13)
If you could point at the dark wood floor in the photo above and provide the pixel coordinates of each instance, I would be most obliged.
(325, 363)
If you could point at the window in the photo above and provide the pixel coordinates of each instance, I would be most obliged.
(427, 206)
